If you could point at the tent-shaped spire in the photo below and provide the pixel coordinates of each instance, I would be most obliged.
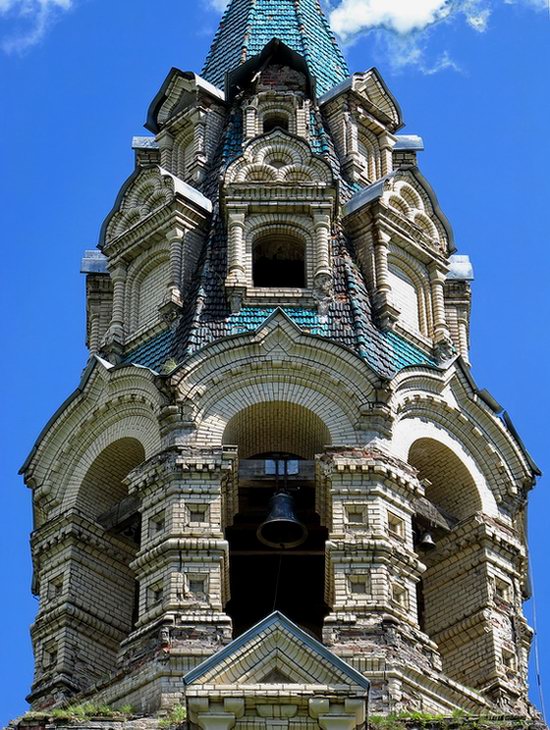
(248, 25)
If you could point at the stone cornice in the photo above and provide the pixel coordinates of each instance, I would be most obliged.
(192, 549)
(96, 628)
(74, 528)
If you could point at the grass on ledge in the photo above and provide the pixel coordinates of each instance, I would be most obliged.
(80, 713)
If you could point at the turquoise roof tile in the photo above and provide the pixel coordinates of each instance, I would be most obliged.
(247, 26)
(405, 354)
(250, 318)
(153, 353)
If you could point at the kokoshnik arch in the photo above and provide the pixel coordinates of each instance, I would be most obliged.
(276, 306)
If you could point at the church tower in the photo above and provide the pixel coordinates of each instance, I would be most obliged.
(277, 497)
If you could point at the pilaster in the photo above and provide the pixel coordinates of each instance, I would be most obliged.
(372, 566)
(182, 566)
(113, 342)
(173, 300)
(473, 612)
(236, 280)
(386, 313)
(442, 338)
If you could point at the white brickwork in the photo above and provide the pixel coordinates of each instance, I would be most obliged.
(142, 480)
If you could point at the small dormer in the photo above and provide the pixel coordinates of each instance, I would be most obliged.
(403, 241)
(278, 254)
(151, 241)
(363, 117)
(277, 90)
(187, 115)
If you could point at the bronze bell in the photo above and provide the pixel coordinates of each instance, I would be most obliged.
(281, 528)
(427, 542)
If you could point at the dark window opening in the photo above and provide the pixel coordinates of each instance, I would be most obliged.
(135, 605)
(420, 605)
(263, 578)
(279, 262)
(275, 121)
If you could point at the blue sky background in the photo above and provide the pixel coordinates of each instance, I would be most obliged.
(76, 79)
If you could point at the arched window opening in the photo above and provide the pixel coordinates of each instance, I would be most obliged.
(277, 442)
(370, 152)
(451, 495)
(449, 484)
(103, 497)
(103, 486)
(279, 261)
(275, 120)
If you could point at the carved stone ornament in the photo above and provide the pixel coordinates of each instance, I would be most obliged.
(444, 350)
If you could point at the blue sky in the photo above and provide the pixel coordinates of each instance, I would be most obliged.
(76, 78)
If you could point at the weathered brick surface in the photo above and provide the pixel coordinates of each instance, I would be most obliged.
(136, 481)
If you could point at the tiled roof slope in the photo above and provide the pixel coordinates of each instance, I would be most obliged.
(247, 26)
(348, 321)
(206, 316)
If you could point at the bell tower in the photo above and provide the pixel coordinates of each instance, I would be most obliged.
(278, 495)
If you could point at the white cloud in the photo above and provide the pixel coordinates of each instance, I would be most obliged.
(350, 17)
(27, 21)
(412, 51)
(219, 5)
(402, 16)
(404, 25)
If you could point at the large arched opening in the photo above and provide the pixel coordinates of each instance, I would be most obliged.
(103, 498)
(448, 482)
(451, 496)
(277, 443)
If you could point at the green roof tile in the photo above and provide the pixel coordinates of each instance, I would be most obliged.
(247, 26)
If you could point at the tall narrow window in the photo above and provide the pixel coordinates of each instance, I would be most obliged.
(279, 261)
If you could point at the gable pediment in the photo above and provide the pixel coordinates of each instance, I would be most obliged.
(371, 86)
(368, 90)
(180, 91)
(407, 194)
(147, 191)
(276, 651)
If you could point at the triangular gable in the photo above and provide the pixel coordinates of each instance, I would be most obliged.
(274, 52)
(428, 208)
(148, 189)
(276, 651)
(177, 85)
